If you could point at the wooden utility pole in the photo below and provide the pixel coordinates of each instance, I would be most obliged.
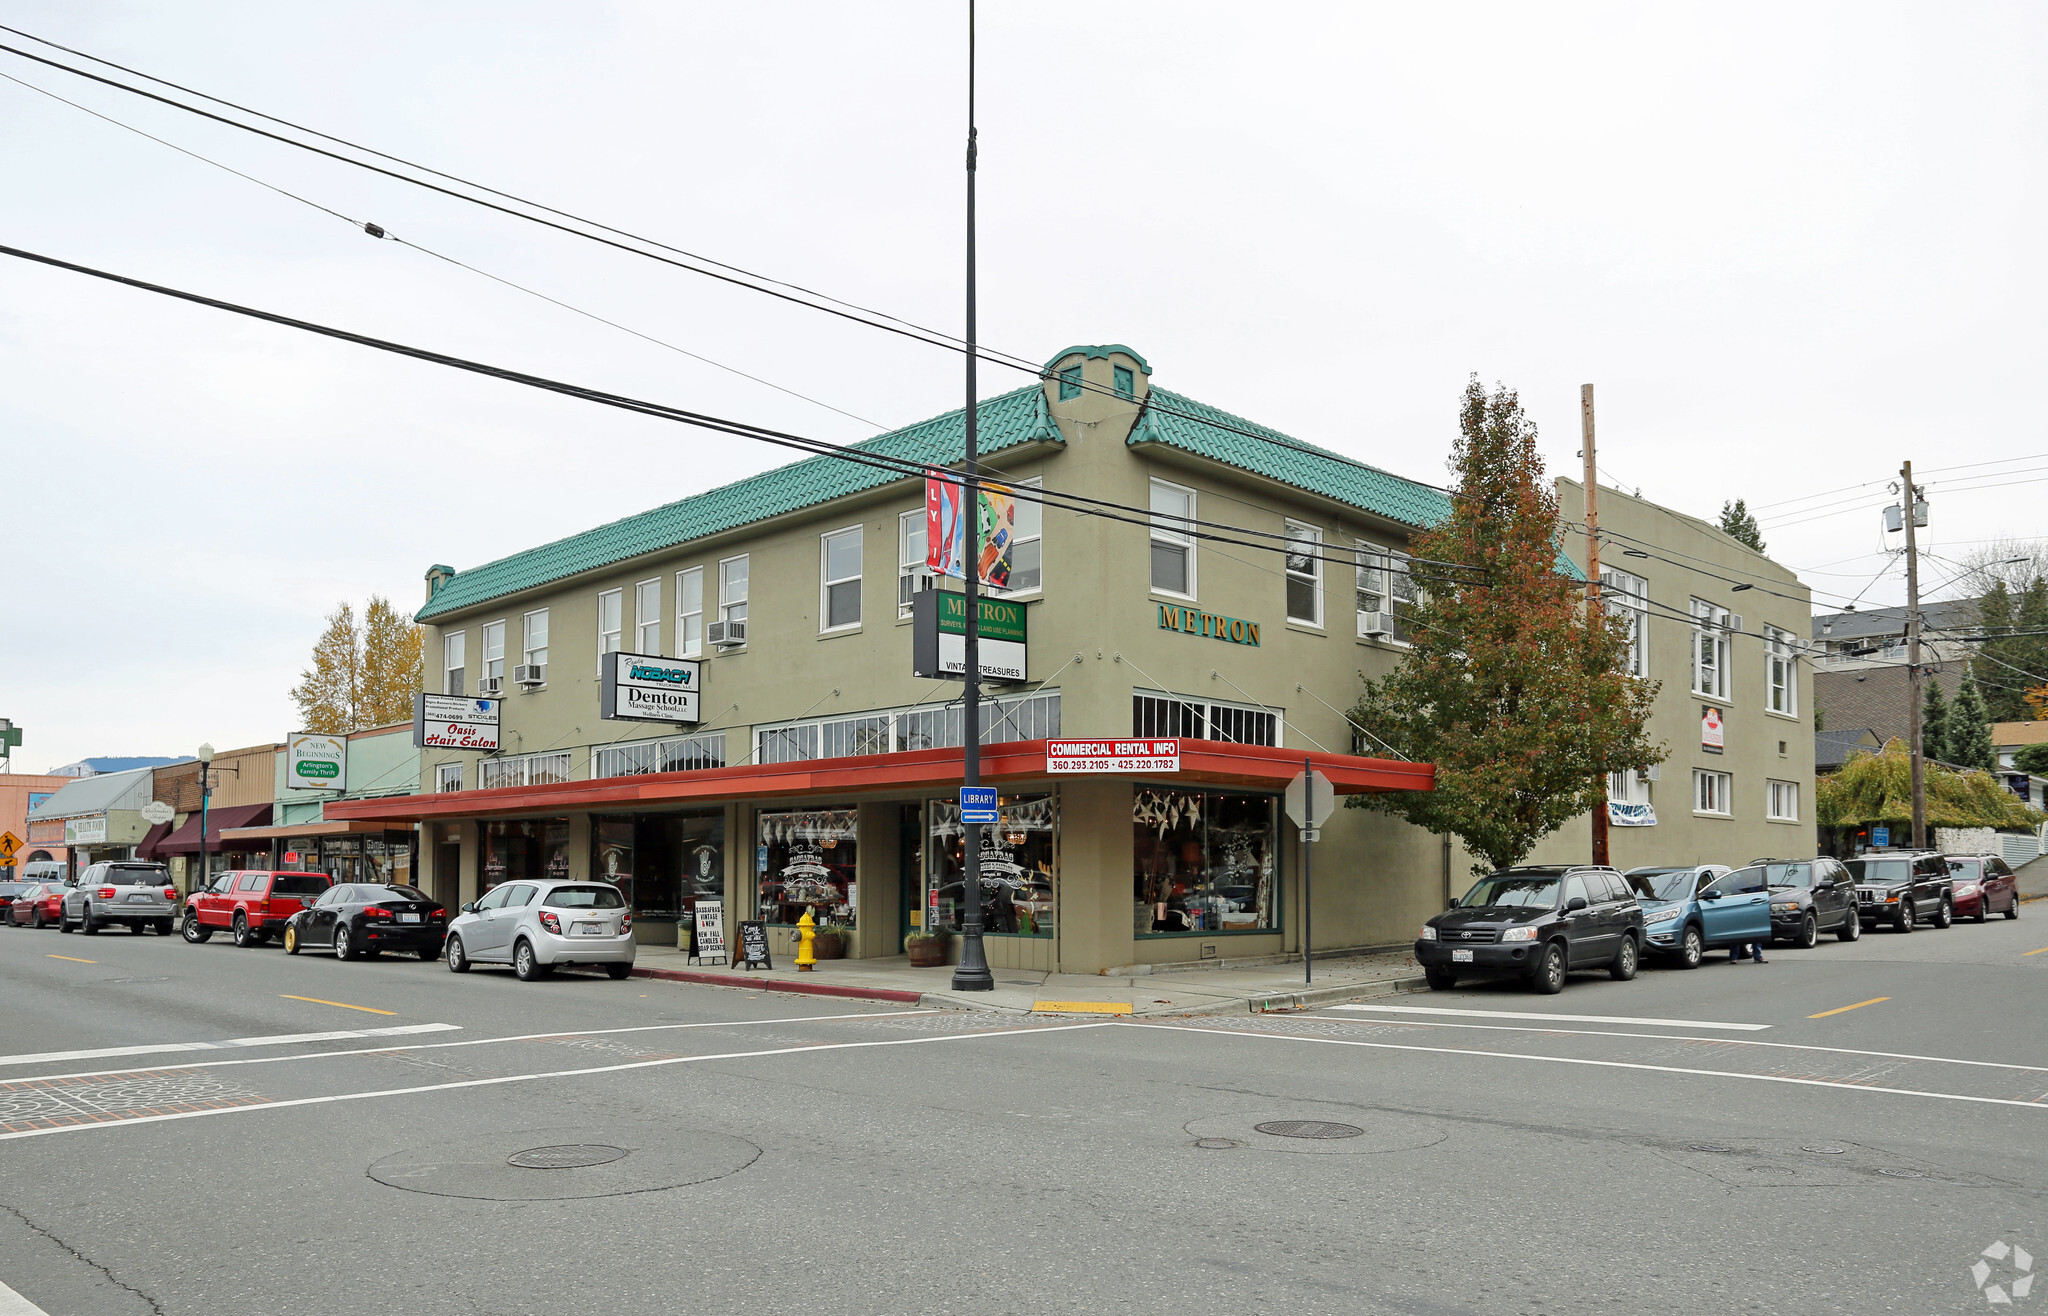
(1909, 505)
(1594, 615)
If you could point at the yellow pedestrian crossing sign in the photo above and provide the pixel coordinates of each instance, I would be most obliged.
(10, 846)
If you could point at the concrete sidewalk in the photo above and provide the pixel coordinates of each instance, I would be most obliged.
(1249, 989)
(2033, 879)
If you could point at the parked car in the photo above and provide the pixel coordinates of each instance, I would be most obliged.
(357, 919)
(1902, 887)
(1809, 897)
(1538, 922)
(50, 872)
(1673, 926)
(8, 891)
(1984, 885)
(535, 926)
(37, 907)
(131, 892)
(250, 906)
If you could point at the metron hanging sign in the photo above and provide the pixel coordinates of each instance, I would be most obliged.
(1208, 626)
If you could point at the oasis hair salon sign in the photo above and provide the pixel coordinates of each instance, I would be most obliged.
(452, 722)
(638, 687)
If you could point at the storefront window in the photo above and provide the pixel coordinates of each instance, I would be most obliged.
(1016, 867)
(1204, 861)
(663, 863)
(533, 851)
(805, 861)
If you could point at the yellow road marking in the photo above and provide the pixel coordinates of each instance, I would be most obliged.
(341, 1004)
(73, 958)
(1078, 1007)
(1845, 1009)
(2042, 951)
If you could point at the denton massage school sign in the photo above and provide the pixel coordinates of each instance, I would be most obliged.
(638, 687)
(452, 722)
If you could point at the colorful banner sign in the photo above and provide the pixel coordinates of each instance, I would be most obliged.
(1713, 736)
(945, 529)
(1631, 815)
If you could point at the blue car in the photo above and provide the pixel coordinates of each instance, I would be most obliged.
(1689, 911)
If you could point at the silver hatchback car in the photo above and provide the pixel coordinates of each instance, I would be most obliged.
(534, 926)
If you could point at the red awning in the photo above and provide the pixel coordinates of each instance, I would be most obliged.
(151, 839)
(1212, 762)
(186, 839)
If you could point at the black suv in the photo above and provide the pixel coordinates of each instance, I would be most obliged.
(1809, 897)
(1902, 887)
(1537, 922)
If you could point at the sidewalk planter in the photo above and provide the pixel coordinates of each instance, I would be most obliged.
(829, 943)
(927, 950)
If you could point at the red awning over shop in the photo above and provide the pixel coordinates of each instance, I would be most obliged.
(151, 840)
(186, 839)
(1212, 762)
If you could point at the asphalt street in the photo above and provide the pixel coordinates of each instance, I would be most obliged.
(1846, 1129)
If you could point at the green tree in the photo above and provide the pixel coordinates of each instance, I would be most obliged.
(1934, 716)
(1969, 729)
(2033, 759)
(1523, 706)
(391, 664)
(1739, 524)
(1997, 654)
(330, 692)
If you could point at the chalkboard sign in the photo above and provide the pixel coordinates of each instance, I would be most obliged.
(707, 940)
(754, 945)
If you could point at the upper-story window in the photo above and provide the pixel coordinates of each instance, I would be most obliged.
(1387, 592)
(1027, 556)
(1070, 383)
(448, 777)
(1126, 381)
(494, 651)
(910, 558)
(647, 616)
(1628, 597)
(536, 648)
(611, 608)
(1781, 672)
(453, 645)
(839, 582)
(690, 613)
(1304, 561)
(732, 589)
(1709, 650)
(1173, 541)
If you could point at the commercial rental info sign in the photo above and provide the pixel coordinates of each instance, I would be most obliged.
(638, 687)
(452, 722)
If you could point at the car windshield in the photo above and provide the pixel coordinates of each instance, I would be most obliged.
(1789, 876)
(585, 897)
(381, 894)
(1661, 883)
(298, 884)
(1880, 870)
(1525, 890)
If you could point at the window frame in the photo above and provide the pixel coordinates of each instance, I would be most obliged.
(1124, 382)
(725, 605)
(1724, 786)
(1312, 535)
(687, 644)
(488, 663)
(527, 647)
(1774, 788)
(1017, 541)
(610, 641)
(1781, 672)
(1710, 637)
(827, 582)
(907, 570)
(454, 674)
(443, 773)
(1070, 383)
(1182, 540)
(1380, 573)
(1626, 595)
(643, 619)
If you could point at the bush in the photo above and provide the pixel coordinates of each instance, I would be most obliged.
(1878, 788)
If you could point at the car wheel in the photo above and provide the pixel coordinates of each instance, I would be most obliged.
(1809, 932)
(618, 972)
(38, 924)
(1903, 920)
(63, 924)
(1548, 980)
(240, 934)
(342, 949)
(1626, 960)
(90, 926)
(291, 940)
(430, 953)
(458, 958)
(163, 927)
(1983, 907)
(194, 933)
(1692, 948)
(1439, 978)
(1852, 926)
(1944, 914)
(527, 965)
(2013, 910)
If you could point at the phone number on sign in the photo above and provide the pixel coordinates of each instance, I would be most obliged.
(1110, 764)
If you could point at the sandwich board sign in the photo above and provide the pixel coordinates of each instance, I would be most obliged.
(709, 940)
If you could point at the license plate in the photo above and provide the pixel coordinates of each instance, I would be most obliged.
(590, 929)
(408, 918)
(1461, 957)
(137, 898)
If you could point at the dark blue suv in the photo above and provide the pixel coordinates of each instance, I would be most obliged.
(1538, 923)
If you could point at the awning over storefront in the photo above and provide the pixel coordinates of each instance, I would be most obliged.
(293, 831)
(1202, 761)
(150, 841)
(186, 839)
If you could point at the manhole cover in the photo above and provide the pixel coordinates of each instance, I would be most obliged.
(572, 1157)
(1217, 1144)
(1308, 1129)
(1825, 1151)
(1903, 1174)
(1710, 1147)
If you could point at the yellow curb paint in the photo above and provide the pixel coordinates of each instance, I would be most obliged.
(73, 958)
(338, 1004)
(2023, 954)
(1846, 1008)
(1078, 1007)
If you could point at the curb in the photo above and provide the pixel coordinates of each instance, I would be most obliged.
(1318, 996)
(783, 985)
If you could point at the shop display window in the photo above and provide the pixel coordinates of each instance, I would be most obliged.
(1016, 867)
(1204, 861)
(528, 850)
(663, 863)
(805, 861)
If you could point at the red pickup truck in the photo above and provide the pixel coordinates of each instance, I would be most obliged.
(250, 906)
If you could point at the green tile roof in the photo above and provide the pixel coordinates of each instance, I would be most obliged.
(1006, 422)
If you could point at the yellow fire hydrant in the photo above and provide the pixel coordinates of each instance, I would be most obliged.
(807, 932)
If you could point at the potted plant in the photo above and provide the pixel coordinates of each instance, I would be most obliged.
(927, 947)
(829, 942)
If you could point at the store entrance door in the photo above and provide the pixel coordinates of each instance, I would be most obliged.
(448, 873)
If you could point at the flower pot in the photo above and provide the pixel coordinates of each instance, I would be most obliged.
(828, 946)
(926, 952)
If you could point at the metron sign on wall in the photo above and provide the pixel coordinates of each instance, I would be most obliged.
(1207, 625)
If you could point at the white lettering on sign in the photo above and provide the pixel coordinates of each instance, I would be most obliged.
(1112, 756)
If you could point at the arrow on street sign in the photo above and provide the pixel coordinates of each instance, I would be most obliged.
(1297, 801)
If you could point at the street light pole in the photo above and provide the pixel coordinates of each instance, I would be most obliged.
(1913, 672)
(972, 974)
(205, 795)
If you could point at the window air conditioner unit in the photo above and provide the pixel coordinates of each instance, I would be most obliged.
(1652, 773)
(920, 581)
(490, 687)
(531, 673)
(1376, 623)
(726, 634)
(1734, 621)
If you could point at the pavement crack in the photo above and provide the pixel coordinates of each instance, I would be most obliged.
(112, 1278)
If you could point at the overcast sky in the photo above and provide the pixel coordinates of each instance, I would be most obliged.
(1791, 245)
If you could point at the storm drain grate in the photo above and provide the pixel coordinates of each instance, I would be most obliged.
(1217, 1144)
(1308, 1129)
(572, 1157)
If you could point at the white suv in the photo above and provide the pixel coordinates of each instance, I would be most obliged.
(120, 891)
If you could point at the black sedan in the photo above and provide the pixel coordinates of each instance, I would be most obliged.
(356, 920)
